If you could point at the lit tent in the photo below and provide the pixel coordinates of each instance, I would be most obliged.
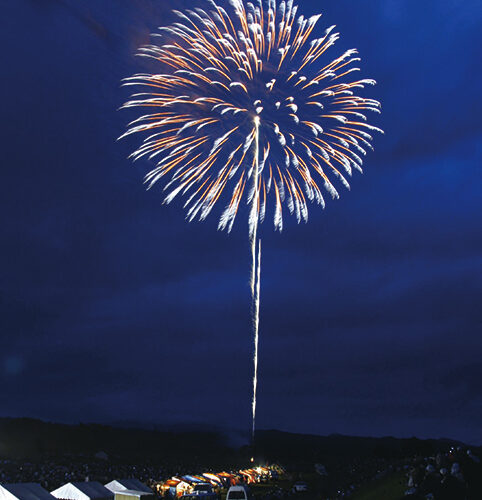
(130, 489)
(91, 490)
(24, 491)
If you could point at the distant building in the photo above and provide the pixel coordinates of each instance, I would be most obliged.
(91, 490)
(24, 491)
(130, 489)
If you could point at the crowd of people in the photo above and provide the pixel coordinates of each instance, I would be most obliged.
(456, 474)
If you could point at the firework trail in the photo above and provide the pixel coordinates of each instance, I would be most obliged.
(248, 106)
(255, 295)
(255, 272)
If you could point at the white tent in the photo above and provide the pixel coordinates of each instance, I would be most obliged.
(24, 491)
(129, 489)
(128, 484)
(90, 490)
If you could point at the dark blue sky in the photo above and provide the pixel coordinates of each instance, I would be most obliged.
(114, 308)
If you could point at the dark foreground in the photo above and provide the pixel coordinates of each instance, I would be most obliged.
(332, 467)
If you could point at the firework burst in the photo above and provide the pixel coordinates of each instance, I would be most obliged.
(247, 105)
(229, 81)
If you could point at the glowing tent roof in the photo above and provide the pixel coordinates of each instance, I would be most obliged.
(128, 485)
(91, 490)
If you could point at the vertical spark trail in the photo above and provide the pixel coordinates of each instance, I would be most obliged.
(256, 334)
(255, 268)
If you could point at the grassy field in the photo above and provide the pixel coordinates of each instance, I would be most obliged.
(391, 487)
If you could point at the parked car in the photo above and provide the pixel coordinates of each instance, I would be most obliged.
(202, 491)
(238, 493)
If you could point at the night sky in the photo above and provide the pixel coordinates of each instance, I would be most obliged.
(115, 309)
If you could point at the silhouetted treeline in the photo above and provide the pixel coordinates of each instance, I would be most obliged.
(22, 437)
(30, 438)
(300, 449)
